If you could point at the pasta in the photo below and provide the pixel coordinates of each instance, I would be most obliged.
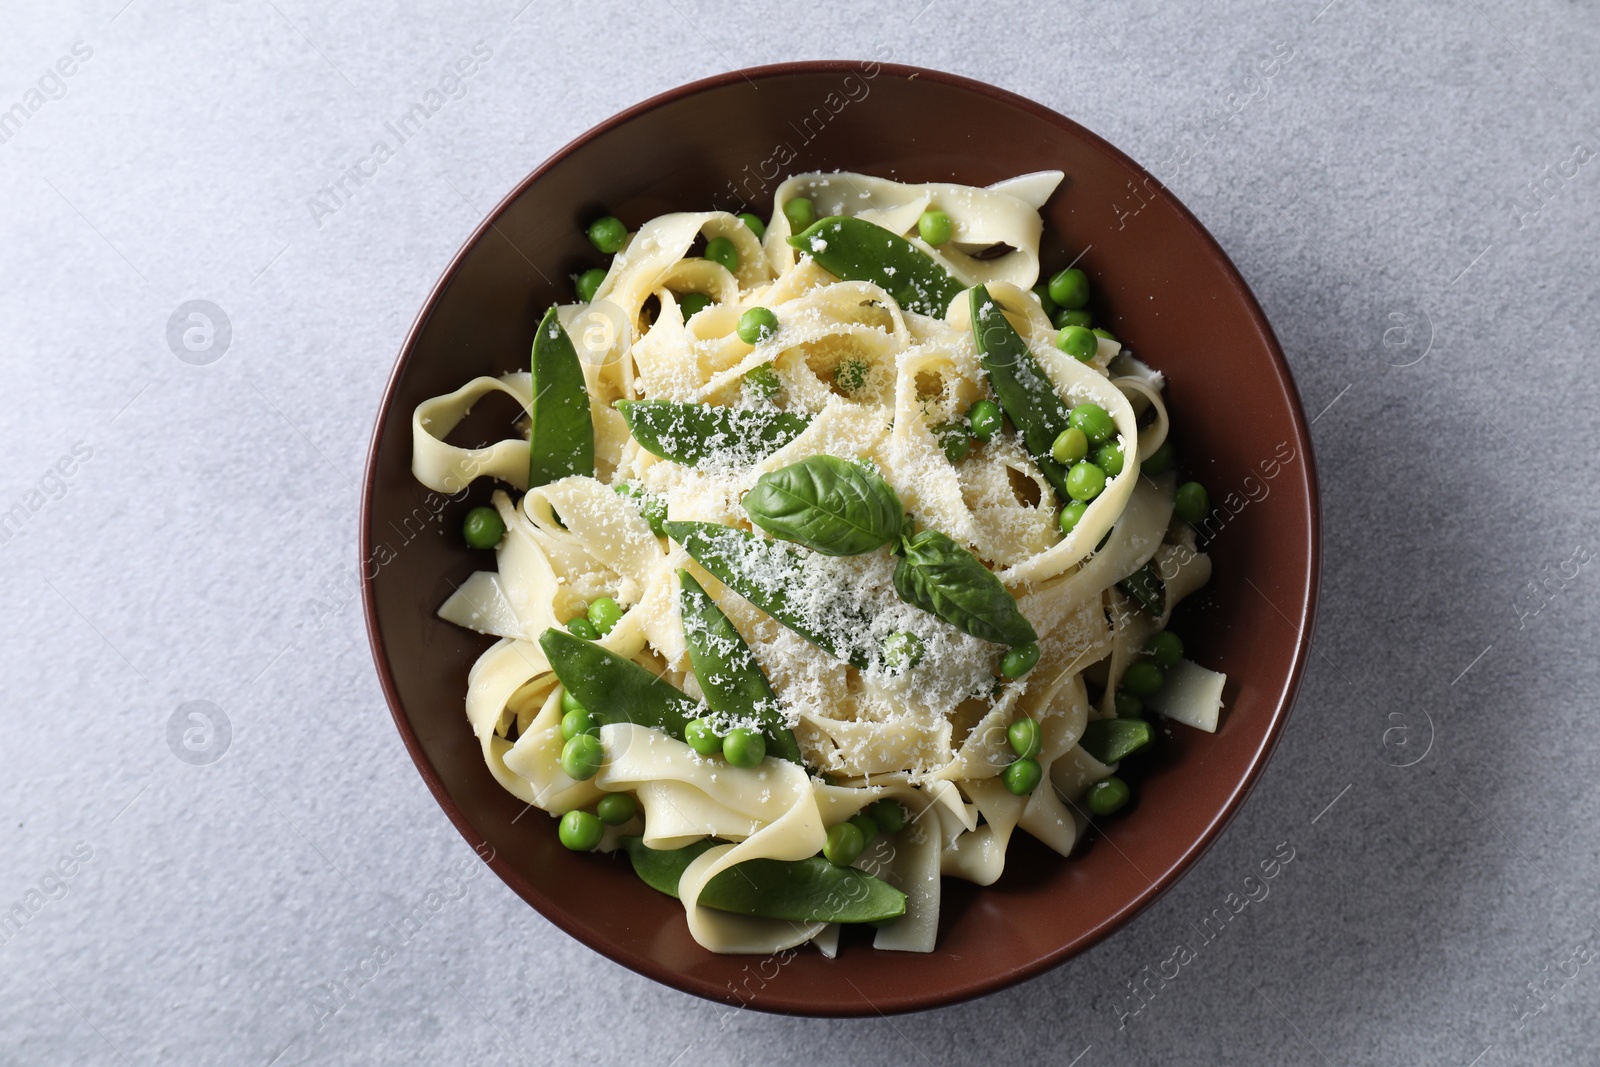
(840, 369)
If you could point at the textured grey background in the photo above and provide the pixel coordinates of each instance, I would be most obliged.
(1439, 911)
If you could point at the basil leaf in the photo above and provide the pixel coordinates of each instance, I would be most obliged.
(939, 576)
(828, 504)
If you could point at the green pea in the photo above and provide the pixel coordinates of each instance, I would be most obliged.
(1071, 317)
(1025, 738)
(721, 250)
(1042, 291)
(1128, 706)
(1165, 648)
(651, 506)
(850, 375)
(691, 304)
(1077, 342)
(582, 627)
(844, 843)
(588, 283)
(955, 441)
(1071, 445)
(752, 220)
(580, 831)
(756, 325)
(1107, 796)
(570, 703)
(699, 735)
(1071, 515)
(985, 419)
(604, 614)
(800, 213)
(1192, 503)
(608, 234)
(1144, 678)
(1070, 288)
(1085, 481)
(1108, 457)
(744, 747)
(890, 815)
(578, 722)
(1102, 332)
(1095, 422)
(1160, 461)
(615, 809)
(1023, 777)
(866, 824)
(763, 381)
(935, 227)
(902, 650)
(483, 528)
(1020, 660)
(581, 757)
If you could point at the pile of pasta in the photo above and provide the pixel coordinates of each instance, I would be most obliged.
(932, 737)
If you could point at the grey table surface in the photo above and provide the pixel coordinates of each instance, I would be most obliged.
(1412, 195)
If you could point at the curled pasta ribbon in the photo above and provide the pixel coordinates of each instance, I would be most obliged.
(447, 468)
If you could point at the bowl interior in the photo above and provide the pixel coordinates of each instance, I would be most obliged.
(1161, 284)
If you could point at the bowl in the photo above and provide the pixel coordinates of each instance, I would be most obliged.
(1163, 286)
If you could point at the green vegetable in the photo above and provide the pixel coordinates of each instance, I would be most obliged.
(691, 433)
(1095, 422)
(729, 676)
(570, 704)
(1042, 291)
(561, 431)
(939, 576)
(1145, 586)
(1108, 457)
(768, 573)
(1191, 503)
(1024, 390)
(844, 844)
(651, 505)
(615, 689)
(578, 722)
(581, 757)
(604, 614)
(756, 325)
(615, 809)
(954, 441)
(867, 825)
(809, 890)
(1161, 460)
(588, 283)
(1071, 317)
(691, 304)
(701, 736)
(608, 234)
(828, 504)
(1077, 342)
(1143, 678)
(1166, 649)
(857, 250)
(721, 250)
(1107, 796)
(743, 747)
(800, 213)
(1025, 738)
(1113, 740)
(1085, 481)
(890, 815)
(582, 627)
(763, 381)
(580, 830)
(934, 227)
(1070, 288)
(753, 221)
(850, 375)
(902, 650)
(1023, 777)
(1107, 334)
(1071, 515)
(483, 528)
(985, 418)
(1128, 705)
(1070, 445)
(1020, 660)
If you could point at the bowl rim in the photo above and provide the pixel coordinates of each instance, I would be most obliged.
(962, 989)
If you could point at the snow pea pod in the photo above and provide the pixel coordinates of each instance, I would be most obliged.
(727, 670)
(859, 251)
(1023, 388)
(774, 578)
(614, 689)
(1145, 586)
(692, 433)
(561, 429)
(1113, 740)
(808, 890)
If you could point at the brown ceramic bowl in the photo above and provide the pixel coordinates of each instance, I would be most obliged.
(1160, 282)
